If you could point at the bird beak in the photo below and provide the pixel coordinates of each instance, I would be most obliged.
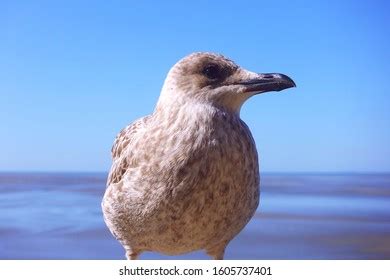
(267, 82)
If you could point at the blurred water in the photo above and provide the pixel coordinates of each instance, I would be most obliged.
(301, 216)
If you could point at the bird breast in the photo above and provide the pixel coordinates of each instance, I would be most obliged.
(192, 181)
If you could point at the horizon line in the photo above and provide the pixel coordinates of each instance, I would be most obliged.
(261, 172)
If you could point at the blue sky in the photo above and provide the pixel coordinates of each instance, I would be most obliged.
(73, 73)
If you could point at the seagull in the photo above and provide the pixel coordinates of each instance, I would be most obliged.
(186, 177)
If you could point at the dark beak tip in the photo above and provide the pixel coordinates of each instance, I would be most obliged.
(285, 83)
(288, 81)
(293, 85)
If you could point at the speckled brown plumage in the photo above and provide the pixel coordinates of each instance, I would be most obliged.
(186, 177)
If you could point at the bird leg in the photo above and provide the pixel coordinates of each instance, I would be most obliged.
(131, 254)
(218, 252)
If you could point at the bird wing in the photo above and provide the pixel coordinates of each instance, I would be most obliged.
(121, 143)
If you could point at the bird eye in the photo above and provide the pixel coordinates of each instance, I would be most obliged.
(211, 71)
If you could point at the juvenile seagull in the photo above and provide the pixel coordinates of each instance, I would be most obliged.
(186, 177)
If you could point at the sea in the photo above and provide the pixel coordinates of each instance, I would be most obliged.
(301, 216)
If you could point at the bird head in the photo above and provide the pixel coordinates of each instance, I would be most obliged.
(214, 79)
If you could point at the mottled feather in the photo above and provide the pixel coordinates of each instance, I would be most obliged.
(119, 158)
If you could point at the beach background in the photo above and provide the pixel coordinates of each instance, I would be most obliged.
(301, 216)
(74, 73)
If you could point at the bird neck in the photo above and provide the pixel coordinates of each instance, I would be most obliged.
(173, 106)
(193, 114)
